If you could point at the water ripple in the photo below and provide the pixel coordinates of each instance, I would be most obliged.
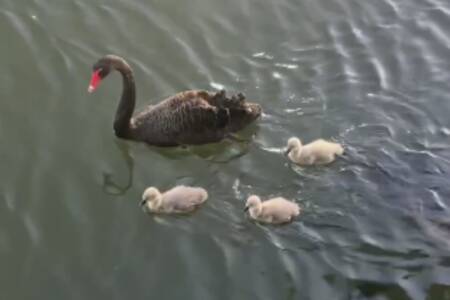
(371, 75)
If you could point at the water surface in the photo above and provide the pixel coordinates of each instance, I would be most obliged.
(373, 75)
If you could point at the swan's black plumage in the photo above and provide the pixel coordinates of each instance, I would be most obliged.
(187, 118)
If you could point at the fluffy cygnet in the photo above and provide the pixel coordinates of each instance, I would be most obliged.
(180, 199)
(319, 152)
(275, 211)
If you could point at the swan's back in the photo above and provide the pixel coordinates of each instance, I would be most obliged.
(280, 209)
(193, 117)
(184, 198)
(322, 148)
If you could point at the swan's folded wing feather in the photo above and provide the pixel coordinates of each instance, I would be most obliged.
(192, 117)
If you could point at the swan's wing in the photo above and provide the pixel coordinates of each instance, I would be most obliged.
(193, 117)
(193, 120)
(280, 208)
(187, 110)
(185, 118)
(241, 111)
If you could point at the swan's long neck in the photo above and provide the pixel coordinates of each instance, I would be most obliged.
(157, 202)
(296, 152)
(127, 101)
(256, 210)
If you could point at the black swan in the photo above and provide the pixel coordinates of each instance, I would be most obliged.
(188, 118)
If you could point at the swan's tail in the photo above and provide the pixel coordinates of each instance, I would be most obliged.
(339, 149)
(241, 112)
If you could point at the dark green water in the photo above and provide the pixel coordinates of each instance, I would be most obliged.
(373, 75)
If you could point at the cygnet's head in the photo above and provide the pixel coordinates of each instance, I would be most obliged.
(150, 194)
(293, 143)
(252, 202)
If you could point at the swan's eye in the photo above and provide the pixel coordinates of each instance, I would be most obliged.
(103, 72)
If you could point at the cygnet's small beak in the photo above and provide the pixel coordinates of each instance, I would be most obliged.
(143, 202)
(246, 208)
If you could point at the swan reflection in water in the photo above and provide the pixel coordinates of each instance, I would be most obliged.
(222, 152)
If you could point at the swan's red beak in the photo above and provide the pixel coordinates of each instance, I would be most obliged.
(95, 81)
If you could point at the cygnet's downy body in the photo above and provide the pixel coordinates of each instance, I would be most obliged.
(319, 152)
(180, 199)
(273, 211)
